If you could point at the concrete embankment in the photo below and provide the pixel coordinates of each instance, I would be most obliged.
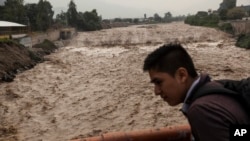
(241, 27)
(51, 35)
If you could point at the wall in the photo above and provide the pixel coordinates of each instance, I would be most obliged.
(52, 35)
(241, 27)
(26, 41)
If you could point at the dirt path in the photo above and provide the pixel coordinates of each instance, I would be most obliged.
(96, 84)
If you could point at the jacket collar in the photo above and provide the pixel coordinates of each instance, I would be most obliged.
(203, 79)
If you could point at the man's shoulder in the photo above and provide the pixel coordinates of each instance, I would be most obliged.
(219, 105)
(216, 100)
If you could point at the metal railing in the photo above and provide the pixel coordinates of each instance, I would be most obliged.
(172, 133)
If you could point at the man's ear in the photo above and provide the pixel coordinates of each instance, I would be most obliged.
(181, 75)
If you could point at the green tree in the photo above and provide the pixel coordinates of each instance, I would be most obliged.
(14, 11)
(117, 20)
(72, 14)
(31, 10)
(179, 18)
(157, 17)
(202, 14)
(243, 41)
(89, 21)
(81, 22)
(235, 13)
(203, 19)
(223, 14)
(128, 20)
(226, 27)
(227, 4)
(190, 20)
(62, 18)
(212, 20)
(135, 20)
(1, 12)
(45, 14)
(168, 17)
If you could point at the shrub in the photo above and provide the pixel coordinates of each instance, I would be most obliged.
(8, 41)
(226, 27)
(47, 46)
(243, 41)
(34, 57)
(203, 20)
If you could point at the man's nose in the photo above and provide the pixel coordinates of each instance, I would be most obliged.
(157, 90)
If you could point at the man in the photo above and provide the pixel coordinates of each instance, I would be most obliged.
(173, 74)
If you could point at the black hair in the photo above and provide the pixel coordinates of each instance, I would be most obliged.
(168, 58)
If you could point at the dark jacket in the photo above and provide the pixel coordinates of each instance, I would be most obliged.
(210, 116)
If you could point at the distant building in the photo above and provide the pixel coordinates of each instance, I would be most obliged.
(10, 28)
(15, 31)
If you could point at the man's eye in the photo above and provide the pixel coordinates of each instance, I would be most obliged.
(158, 82)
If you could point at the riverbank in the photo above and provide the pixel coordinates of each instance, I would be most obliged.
(16, 58)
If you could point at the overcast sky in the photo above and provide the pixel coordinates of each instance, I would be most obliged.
(137, 8)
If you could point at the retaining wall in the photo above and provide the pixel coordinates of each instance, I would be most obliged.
(241, 27)
(52, 35)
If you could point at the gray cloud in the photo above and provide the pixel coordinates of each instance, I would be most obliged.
(137, 8)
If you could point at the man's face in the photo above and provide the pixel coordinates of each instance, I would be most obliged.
(171, 89)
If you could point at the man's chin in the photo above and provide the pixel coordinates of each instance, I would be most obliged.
(171, 103)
